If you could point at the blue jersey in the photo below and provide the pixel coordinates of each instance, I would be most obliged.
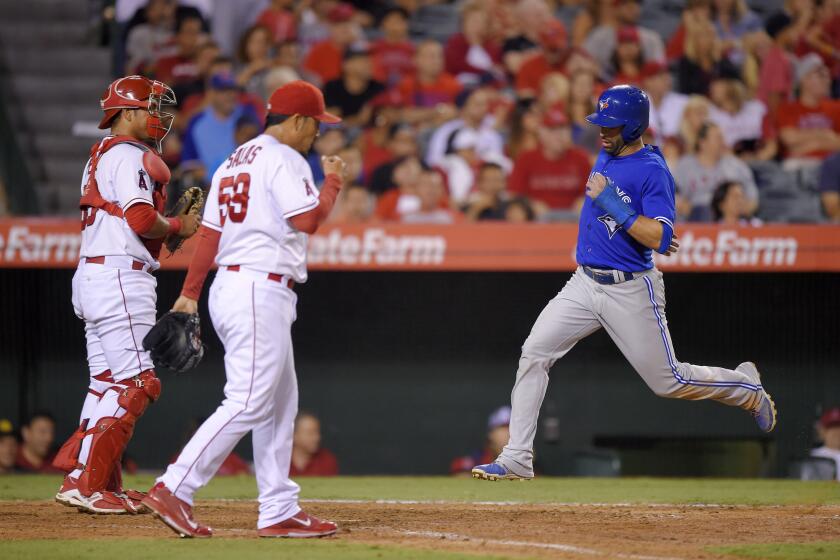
(644, 182)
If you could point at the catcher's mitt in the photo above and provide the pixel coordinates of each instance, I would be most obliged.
(175, 341)
(190, 202)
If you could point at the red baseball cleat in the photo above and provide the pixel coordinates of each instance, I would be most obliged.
(134, 499)
(175, 513)
(69, 495)
(300, 526)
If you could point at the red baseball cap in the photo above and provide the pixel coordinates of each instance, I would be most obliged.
(653, 68)
(553, 35)
(300, 98)
(555, 116)
(341, 12)
(628, 34)
(830, 418)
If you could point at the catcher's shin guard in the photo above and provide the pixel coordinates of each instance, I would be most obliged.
(111, 433)
(67, 457)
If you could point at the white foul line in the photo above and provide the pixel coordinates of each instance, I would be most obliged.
(526, 544)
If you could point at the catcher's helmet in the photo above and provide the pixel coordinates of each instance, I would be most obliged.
(138, 92)
(626, 106)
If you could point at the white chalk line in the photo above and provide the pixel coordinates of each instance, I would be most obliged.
(524, 544)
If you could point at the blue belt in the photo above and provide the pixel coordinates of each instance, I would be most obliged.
(607, 276)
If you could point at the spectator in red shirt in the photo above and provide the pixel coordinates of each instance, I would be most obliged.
(324, 58)
(553, 58)
(627, 58)
(498, 434)
(393, 54)
(8, 447)
(810, 126)
(181, 68)
(401, 196)
(473, 52)
(308, 457)
(775, 84)
(280, 20)
(35, 453)
(430, 91)
(553, 175)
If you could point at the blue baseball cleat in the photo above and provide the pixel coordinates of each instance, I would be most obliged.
(495, 471)
(765, 412)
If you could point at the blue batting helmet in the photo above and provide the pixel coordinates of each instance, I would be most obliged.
(626, 106)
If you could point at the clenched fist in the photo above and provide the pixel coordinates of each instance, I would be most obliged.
(333, 164)
(595, 185)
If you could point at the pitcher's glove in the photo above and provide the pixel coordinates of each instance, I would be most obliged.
(175, 341)
(190, 202)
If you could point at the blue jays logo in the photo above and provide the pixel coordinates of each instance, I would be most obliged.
(603, 104)
(610, 223)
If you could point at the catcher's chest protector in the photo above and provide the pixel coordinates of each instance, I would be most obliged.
(151, 160)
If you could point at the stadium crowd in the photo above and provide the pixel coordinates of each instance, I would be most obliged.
(475, 110)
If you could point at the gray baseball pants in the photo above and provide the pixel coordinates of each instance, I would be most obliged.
(633, 314)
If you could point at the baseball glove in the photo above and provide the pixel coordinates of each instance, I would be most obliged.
(190, 202)
(175, 341)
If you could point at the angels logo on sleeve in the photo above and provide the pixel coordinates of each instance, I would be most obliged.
(309, 191)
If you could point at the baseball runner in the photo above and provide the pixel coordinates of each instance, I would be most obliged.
(261, 206)
(628, 213)
(123, 195)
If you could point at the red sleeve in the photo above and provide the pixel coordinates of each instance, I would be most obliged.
(787, 116)
(141, 217)
(308, 222)
(202, 260)
(455, 54)
(526, 77)
(518, 182)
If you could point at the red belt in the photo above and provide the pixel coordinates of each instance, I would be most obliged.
(135, 264)
(274, 277)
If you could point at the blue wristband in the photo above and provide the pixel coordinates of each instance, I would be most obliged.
(611, 203)
(667, 235)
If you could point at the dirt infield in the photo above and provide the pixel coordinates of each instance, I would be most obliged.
(641, 532)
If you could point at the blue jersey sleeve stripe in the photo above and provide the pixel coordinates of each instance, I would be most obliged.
(665, 220)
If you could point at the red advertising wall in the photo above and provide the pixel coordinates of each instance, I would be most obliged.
(54, 243)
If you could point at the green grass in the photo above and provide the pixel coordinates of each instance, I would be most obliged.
(214, 549)
(786, 551)
(540, 490)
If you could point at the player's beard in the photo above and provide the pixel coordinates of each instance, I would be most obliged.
(616, 145)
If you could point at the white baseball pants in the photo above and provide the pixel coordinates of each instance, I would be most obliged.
(633, 314)
(253, 317)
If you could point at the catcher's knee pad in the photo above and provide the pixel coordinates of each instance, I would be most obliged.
(139, 391)
(111, 434)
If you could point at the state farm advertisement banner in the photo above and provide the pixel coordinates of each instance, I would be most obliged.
(54, 243)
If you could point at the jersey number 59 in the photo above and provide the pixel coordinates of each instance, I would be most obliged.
(233, 197)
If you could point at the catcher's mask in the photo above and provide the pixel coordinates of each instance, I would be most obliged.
(138, 92)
